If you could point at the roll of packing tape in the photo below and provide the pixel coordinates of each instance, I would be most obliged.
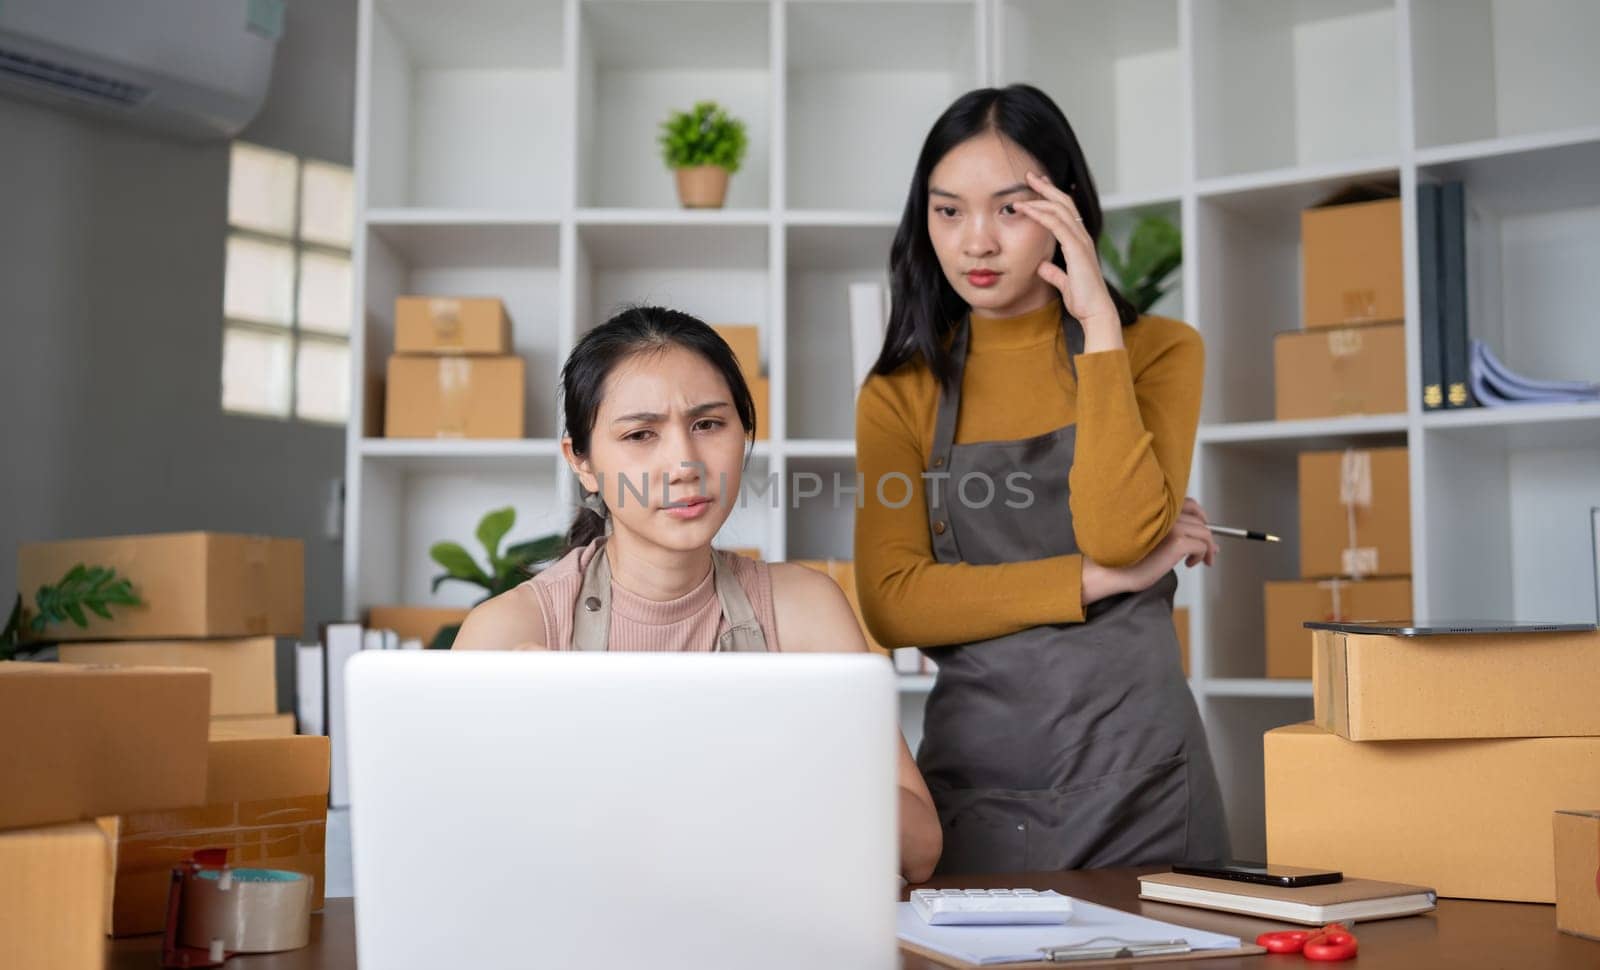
(247, 910)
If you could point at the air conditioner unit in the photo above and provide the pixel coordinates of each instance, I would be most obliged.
(198, 68)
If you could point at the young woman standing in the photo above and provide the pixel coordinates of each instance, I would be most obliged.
(1025, 440)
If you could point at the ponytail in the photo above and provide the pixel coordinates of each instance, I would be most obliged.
(587, 526)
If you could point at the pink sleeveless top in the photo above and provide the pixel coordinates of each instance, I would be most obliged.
(691, 623)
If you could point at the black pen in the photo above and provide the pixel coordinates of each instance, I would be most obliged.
(1227, 530)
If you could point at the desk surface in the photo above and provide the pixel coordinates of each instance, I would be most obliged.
(1459, 934)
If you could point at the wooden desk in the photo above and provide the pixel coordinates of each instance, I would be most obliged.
(1460, 934)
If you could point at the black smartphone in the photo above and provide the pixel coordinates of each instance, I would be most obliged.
(1259, 872)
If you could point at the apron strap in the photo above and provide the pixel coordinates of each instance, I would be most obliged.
(591, 616)
(938, 486)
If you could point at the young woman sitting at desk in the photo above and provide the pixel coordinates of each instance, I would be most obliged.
(659, 422)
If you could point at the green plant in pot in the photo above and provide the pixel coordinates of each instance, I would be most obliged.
(1144, 273)
(703, 146)
(83, 590)
(504, 570)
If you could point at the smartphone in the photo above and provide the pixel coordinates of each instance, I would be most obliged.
(1259, 872)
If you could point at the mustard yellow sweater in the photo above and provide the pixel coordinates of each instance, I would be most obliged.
(1136, 411)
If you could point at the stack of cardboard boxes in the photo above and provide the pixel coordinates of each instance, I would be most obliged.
(1468, 763)
(453, 373)
(200, 647)
(1355, 551)
(83, 742)
(745, 339)
(1350, 356)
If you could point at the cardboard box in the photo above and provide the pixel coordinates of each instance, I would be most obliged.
(193, 584)
(266, 802)
(1532, 685)
(454, 397)
(745, 339)
(1351, 264)
(1180, 620)
(414, 622)
(244, 676)
(761, 392)
(1376, 540)
(87, 741)
(843, 572)
(52, 890)
(1470, 818)
(451, 325)
(1577, 837)
(1289, 606)
(260, 726)
(1329, 373)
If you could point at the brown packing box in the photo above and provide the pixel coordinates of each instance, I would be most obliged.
(259, 726)
(266, 802)
(745, 339)
(1329, 373)
(761, 392)
(1578, 873)
(1470, 818)
(1531, 685)
(87, 741)
(244, 675)
(451, 325)
(1180, 620)
(52, 890)
(843, 572)
(192, 584)
(1351, 264)
(1289, 606)
(1379, 490)
(414, 622)
(454, 397)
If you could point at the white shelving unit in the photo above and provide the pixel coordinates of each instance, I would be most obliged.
(508, 147)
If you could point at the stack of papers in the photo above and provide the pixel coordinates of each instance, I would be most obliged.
(995, 945)
(1494, 385)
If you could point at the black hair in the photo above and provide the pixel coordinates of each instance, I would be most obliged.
(925, 308)
(636, 330)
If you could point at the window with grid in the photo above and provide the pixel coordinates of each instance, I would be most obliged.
(287, 290)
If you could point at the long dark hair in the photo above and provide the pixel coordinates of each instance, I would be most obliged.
(642, 329)
(925, 307)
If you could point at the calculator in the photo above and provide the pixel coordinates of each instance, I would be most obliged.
(990, 907)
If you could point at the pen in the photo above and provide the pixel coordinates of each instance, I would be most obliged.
(1228, 530)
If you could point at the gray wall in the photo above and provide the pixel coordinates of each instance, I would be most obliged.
(111, 262)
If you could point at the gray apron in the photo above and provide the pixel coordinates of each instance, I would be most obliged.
(591, 616)
(1066, 746)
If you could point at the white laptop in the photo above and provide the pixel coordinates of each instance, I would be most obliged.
(560, 810)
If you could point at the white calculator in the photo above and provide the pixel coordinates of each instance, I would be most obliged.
(990, 907)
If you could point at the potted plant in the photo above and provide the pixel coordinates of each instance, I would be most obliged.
(1155, 251)
(504, 570)
(704, 146)
(94, 589)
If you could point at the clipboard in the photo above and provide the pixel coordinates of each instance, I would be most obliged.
(944, 960)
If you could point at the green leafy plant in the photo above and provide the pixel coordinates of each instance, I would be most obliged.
(504, 570)
(704, 135)
(1155, 251)
(83, 590)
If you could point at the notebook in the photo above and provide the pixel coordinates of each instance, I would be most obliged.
(1351, 899)
(984, 946)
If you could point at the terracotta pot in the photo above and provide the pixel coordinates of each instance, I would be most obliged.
(702, 186)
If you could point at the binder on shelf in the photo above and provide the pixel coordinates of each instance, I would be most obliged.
(1453, 296)
(1428, 295)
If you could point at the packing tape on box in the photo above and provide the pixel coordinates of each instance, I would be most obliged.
(1336, 588)
(1344, 343)
(455, 376)
(1355, 491)
(445, 315)
(247, 910)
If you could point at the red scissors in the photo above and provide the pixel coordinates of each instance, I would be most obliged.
(1329, 944)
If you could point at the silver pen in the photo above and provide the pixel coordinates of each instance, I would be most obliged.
(1228, 530)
